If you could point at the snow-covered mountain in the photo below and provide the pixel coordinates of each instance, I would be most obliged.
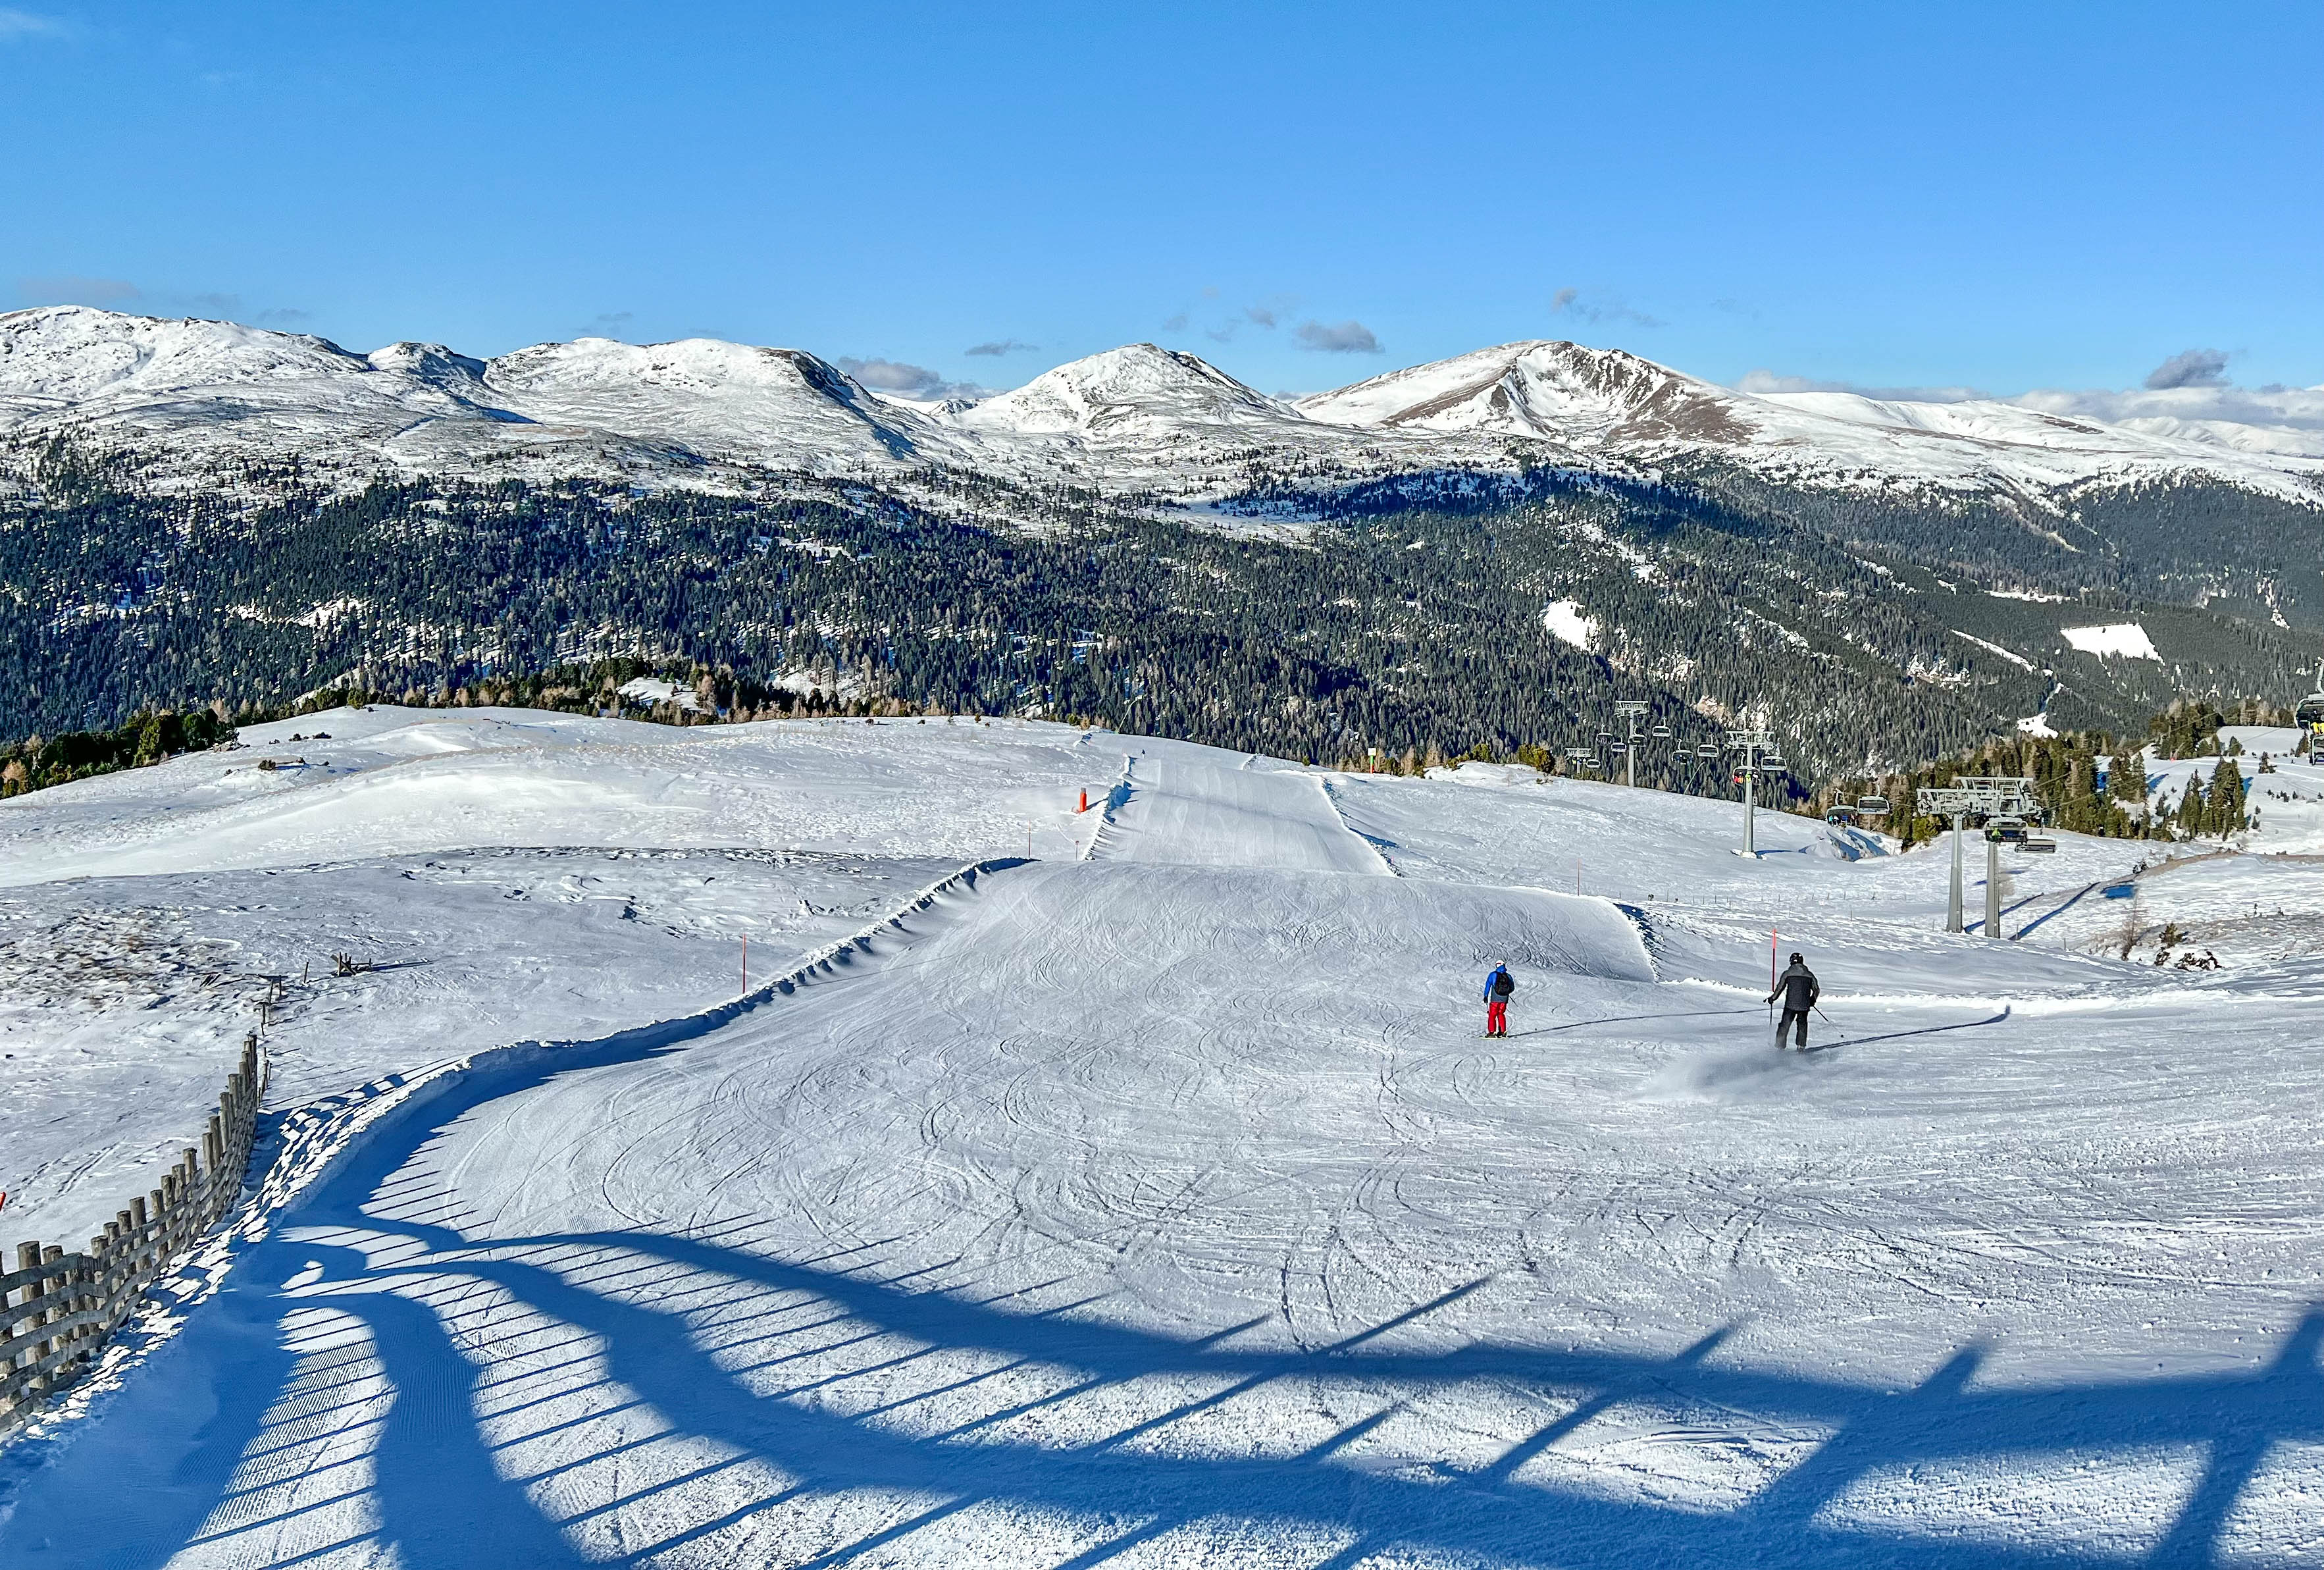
(196, 400)
(1611, 401)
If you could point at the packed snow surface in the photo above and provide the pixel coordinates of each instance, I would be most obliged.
(2127, 640)
(1132, 1187)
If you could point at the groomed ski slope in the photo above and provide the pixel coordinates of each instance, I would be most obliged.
(1155, 1202)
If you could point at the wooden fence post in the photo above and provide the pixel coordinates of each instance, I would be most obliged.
(96, 1290)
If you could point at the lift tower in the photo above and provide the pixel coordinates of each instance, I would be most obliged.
(2003, 797)
(1634, 710)
(1754, 744)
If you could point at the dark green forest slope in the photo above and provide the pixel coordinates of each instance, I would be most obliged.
(1408, 616)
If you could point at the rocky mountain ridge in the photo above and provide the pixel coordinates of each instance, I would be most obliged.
(193, 402)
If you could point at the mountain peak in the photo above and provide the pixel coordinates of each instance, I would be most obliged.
(1546, 388)
(1132, 390)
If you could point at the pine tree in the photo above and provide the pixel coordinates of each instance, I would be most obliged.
(2223, 804)
(2191, 810)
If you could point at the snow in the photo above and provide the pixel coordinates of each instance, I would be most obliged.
(2126, 639)
(1568, 624)
(2018, 659)
(1152, 1200)
(652, 689)
(2037, 724)
(199, 400)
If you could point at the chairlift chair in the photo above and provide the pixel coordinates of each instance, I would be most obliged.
(2037, 845)
(1660, 733)
(1872, 805)
(1706, 751)
(2007, 831)
(1841, 817)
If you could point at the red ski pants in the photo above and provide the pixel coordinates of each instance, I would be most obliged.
(1497, 1017)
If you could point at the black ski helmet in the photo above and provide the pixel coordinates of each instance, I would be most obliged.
(1799, 959)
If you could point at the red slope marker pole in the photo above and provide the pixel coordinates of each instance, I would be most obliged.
(1084, 806)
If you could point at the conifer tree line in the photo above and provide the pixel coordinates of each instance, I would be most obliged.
(2092, 782)
(1404, 629)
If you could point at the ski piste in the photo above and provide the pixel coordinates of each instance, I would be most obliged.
(1145, 1198)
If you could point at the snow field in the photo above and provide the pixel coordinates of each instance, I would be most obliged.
(1157, 1201)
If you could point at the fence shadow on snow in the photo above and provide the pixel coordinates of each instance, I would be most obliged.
(336, 1351)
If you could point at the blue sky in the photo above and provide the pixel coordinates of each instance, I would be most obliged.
(1998, 197)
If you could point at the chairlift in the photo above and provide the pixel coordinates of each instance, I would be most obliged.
(2037, 845)
(1605, 735)
(1872, 805)
(1618, 748)
(1706, 751)
(1660, 733)
(1772, 761)
(2007, 831)
(2309, 717)
(1841, 817)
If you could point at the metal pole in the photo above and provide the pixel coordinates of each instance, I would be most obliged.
(1992, 888)
(1953, 903)
(1750, 779)
(1630, 758)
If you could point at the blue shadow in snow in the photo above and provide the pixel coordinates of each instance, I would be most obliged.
(443, 1494)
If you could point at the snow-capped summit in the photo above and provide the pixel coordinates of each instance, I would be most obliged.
(431, 362)
(1601, 403)
(732, 402)
(1138, 390)
(63, 355)
(1547, 389)
(194, 399)
(191, 394)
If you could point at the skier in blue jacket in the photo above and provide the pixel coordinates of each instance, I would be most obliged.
(1498, 985)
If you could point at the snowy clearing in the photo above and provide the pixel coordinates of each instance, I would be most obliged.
(2127, 640)
(1568, 623)
(1154, 1201)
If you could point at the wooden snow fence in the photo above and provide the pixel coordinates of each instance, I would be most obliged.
(57, 1310)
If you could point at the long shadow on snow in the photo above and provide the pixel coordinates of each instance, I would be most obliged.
(177, 1438)
(1900, 1035)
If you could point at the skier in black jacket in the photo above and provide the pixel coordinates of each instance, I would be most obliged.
(1799, 990)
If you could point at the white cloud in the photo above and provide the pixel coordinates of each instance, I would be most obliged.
(2270, 420)
(1768, 381)
(15, 25)
(906, 379)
